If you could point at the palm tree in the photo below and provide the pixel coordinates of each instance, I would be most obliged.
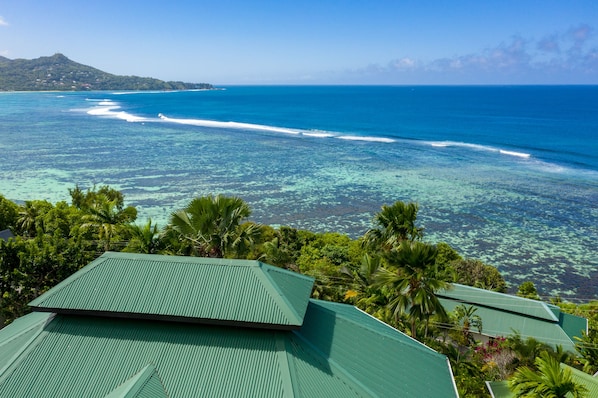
(212, 224)
(275, 254)
(29, 219)
(413, 285)
(466, 319)
(144, 239)
(526, 350)
(363, 290)
(550, 381)
(105, 216)
(395, 224)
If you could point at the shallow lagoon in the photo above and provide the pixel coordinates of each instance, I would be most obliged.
(514, 202)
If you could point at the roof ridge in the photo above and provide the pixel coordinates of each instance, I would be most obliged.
(392, 331)
(67, 282)
(280, 295)
(288, 373)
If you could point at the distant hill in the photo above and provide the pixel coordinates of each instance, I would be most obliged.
(60, 73)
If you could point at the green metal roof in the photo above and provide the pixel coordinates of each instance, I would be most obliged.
(191, 289)
(503, 315)
(500, 301)
(499, 389)
(116, 332)
(588, 381)
(499, 323)
(339, 352)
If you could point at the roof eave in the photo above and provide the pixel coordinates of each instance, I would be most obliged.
(167, 318)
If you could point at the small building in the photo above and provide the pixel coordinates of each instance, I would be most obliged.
(504, 315)
(134, 325)
(6, 234)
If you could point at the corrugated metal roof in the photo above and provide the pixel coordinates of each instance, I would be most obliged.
(146, 383)
(499, 389)
(504, 314)
(360, 346)
(504, 302)
(339, 352)
(588, 381)
(192, 289)
(496, 322)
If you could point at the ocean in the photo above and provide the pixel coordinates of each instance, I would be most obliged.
(504, 174)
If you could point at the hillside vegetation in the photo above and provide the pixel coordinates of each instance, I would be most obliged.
(60, 73)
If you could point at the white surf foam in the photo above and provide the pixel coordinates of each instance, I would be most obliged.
(513, 153)
(365, 138)
(478, 147)
(107, 108)
(318, 134)
(230, 125)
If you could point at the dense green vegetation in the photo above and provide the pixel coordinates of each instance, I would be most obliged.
(391, 272)
(60, 73)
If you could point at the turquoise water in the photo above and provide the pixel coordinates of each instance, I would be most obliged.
(508, 175)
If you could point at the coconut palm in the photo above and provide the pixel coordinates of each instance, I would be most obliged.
(29, 219)
(466, 319)
(394, 224)
(108, 219)
(413, 285)
(549, 381)
(212, 224)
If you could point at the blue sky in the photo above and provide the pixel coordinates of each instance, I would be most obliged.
(315, 41)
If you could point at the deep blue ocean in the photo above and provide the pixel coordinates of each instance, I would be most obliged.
(505, 174)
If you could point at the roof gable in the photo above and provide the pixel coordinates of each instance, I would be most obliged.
(188, 289)
(146, 383)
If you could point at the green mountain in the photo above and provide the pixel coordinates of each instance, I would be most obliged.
(60, 73)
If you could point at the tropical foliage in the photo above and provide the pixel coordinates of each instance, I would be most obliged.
(211, 226)
(390, 272)
(550, 380)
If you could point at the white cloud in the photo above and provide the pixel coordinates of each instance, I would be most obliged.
(403, 64)
(559, 57)
(3, 21)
